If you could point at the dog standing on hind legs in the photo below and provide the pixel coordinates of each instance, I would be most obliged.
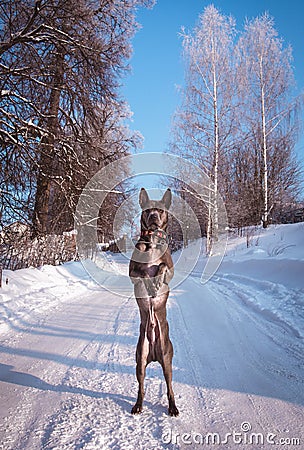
(151, 269)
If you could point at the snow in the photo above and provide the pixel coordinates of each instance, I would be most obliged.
(67, 368)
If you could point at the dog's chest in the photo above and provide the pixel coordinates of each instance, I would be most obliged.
(154, 259)
(154, 246)
(151, 270)
(150, 255)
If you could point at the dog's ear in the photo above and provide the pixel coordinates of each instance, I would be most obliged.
(167, 198)
(143, 198)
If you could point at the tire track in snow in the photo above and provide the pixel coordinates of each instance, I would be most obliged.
(256, 296)
(202, 409)
(276, 354)
(103, 419)
(242, 382)
(259, 295)
(85, 381)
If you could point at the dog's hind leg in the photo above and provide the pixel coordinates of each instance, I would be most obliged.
(141, 364)
(140, 374)
(167, 369)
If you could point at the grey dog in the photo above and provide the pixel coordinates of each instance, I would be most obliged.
(151, 269)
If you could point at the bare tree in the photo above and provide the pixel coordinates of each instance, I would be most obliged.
(204, 125)
(61, 116)
(239, 119)
(269, 111)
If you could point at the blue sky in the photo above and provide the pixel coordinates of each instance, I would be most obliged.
(157, 66)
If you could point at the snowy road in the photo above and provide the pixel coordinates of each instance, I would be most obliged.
(67, 373)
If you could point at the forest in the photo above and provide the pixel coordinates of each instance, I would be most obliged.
(63, 118)
(62, 115)
(239, 119)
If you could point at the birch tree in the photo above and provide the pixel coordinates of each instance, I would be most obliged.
(269, 111)
(205, 123)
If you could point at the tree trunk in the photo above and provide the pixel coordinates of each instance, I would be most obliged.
(212, 225)
(209, 222)
(215, 158)
(264, 155)
(47, 154)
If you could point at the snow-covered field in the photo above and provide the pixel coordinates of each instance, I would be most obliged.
(67, 367)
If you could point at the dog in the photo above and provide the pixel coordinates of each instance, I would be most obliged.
(150, 270)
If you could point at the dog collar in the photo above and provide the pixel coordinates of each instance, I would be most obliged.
(158, 233)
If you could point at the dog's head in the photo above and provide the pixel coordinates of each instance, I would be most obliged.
(154, 212)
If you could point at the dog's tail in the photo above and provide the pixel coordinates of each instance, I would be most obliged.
(151, 324)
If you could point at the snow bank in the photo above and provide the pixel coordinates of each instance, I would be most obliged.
(33, 291)
(275, 242)
(267, 276)
(68, 371)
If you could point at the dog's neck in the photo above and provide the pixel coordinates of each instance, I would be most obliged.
(157, 233)
(157, 238)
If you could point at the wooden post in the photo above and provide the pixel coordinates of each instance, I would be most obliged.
(0, 276)
(124, 243)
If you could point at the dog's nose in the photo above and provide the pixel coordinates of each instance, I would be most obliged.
(154, 216)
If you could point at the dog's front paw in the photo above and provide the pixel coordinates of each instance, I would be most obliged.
(150, 287)
(159, 281)
(152, 291)
(160, 277)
